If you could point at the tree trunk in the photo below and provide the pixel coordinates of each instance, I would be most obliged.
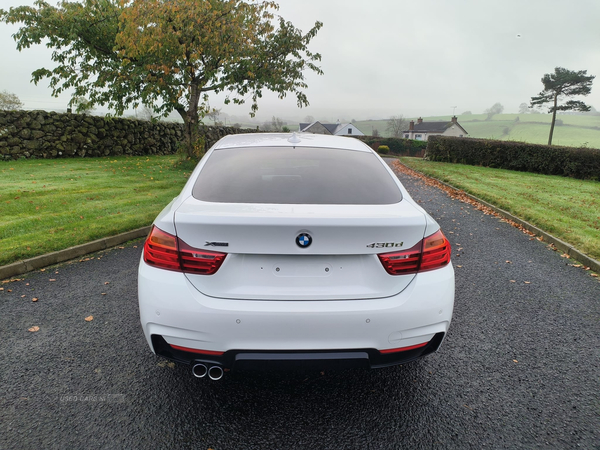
(193, 144)
(553, 119)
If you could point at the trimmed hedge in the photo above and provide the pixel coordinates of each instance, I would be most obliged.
(582, 163)
(397, 146)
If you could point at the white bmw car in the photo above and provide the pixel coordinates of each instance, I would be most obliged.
(294, 250)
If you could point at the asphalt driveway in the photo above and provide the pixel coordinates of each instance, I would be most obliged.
(520, 367)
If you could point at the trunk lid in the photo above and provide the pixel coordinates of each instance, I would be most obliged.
(265, 262)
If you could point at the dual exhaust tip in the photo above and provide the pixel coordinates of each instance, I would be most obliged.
(214, 372)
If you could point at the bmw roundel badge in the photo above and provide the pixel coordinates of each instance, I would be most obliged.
(303, 240)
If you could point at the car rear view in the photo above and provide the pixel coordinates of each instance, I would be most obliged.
(297, 251)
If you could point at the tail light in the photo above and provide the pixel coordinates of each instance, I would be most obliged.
(166, 251)
(431, 253)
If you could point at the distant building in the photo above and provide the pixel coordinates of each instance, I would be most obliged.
(335, 129)
(422, 130)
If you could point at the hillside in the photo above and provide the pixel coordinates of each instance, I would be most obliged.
(575, 130)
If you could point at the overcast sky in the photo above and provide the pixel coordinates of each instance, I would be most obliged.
(391, 57)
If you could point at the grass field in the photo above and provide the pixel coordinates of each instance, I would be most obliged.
(576, 130)
(564, 207)
(48, 205)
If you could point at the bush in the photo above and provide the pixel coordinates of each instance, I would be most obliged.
(383, 149)
(396, 146)
(583, 163)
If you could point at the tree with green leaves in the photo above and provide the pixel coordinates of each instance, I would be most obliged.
(169, 54)
(563, 83)
(9, 101)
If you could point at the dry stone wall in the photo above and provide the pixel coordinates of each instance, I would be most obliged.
(42, 134)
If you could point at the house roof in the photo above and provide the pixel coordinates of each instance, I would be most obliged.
(331, 127)
(433, 127)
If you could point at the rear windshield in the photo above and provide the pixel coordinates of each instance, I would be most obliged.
(318, 176)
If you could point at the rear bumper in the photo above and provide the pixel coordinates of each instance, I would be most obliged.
(259, 333)
(301, 360)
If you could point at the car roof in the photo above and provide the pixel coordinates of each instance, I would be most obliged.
(290, 140)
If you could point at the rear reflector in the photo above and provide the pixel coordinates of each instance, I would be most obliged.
(166, 251)
(196, 350)
(431, 253)
(403, 349)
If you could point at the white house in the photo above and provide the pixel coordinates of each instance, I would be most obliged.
(422, 130)
(336, 129)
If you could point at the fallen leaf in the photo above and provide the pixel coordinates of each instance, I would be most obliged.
(52, 279)
(564, 255)
(527, 282)
(508, 262)
(458, 266)
(34, 329)
(89, 318)
(22, 296)
(1, 289)
(34, 299)
(106, 282)
(104, 293)
(512, 281)
(514, 360)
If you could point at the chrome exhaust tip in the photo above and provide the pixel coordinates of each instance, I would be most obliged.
(199, 370)
(215, 373)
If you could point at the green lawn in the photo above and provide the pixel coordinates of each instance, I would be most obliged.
(48, 205)
(564, 207)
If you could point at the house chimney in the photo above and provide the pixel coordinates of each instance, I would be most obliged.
(454, 119)
(420, 120)
(411, 125)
